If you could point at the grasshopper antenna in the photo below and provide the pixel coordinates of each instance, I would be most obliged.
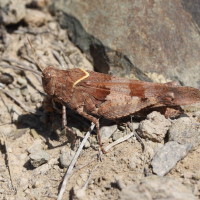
(34, 55)
(32, 70)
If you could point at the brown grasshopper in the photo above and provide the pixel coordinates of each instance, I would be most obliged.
(94, 94)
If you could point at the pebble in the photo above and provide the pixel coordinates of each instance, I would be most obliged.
(196, 176)
(34, 134)
(117, 134)
(167, 157)
(185, 131)
(107, 131)
(154, 127)
(154, 187)
(134, 162)
(36, 146)
(23, 183)
(35, 17)
(21, 81)
(53, 25)
(66, 158)
(39, 158)
(6, 78)
(41, 169)
(53, 161)
(16, 92)
(35, 97)
(24, 91)
(79, 194)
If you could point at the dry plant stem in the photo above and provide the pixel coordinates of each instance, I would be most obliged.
(140, 140)
(27, 109)
(56, 55)
(82, 166)
(25, 66)
(122, 139)
(31, 32)
(90, 176)
(9, 165)
(68, 173)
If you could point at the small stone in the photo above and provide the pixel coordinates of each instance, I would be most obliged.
(66, 158)
(16, 92)
(117, 135)
(21, 81)
(35, 18)
(107, 131)
(24, 91)
(6, 78)
(35, 147)
(134, 162)
(39, 158)
(53, 26)
(53, 161)
(34, 134)
(196, 176)
(41, 170)
(23, 183)
(15, 117)
(80, 194)
(154, 127)
(35, 97)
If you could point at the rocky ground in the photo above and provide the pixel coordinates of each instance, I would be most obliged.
(35, 151)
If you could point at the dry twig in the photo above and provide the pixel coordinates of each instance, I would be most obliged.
(90, 176)
(68, 173)
(140, 140)
(8, 158)
(27, 109)
(56, 55)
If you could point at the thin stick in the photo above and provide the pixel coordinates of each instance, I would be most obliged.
(140, 140)
(122, 139)
(9, 165)
(34, 54)
(83, 165)
(27, 109)
(67, 175)
(58, 58)
(90, 176)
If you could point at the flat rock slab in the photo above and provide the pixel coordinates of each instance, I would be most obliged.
(164, 188)
(167, 157)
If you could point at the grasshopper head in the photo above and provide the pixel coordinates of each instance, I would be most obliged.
(49, 80)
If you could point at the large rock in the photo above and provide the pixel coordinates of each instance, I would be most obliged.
(129, 36)
(157, 188)
(12, 11)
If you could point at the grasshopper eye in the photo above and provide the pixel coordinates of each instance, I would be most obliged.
(47, 76)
